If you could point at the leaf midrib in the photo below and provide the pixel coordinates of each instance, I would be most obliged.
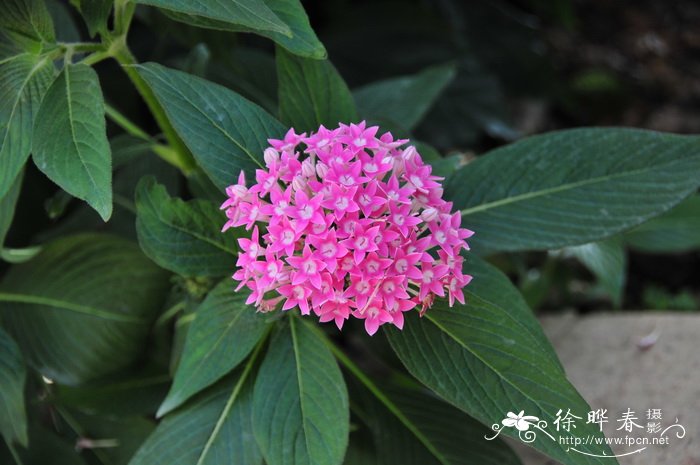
(560, 188)
(74, 138)
(300, 385)
(69, 306)
(231, 400)
(214, 346)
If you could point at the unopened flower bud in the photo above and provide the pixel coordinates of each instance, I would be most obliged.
(429, 214)
(308, 169)
(271, 156)
(321, 170)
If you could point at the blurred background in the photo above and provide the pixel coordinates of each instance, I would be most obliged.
(510, 69)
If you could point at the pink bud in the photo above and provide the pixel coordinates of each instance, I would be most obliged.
(321, 170)
(299, 183)
(271, 156)
(429, 214)
(308, 169)
(239, 191)
(409, 153)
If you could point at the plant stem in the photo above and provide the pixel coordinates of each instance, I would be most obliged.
(169, 313)
(123, 55)
(123, 122)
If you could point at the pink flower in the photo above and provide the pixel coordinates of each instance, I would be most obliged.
(352, 225)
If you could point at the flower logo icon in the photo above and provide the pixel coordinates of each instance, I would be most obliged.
(521, 421)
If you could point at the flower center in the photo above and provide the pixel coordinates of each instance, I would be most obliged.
(306, 212)
(347, 180)
(309, 267)
(329, 250)
(401, 265)
(440, 237)
(361, 242)
(287, 237)
(341, 203)
(298, 292)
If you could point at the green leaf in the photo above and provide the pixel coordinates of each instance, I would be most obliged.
(572, 187)
(404, 100)
(119, 394)
(447, 435)
(65, 26)
(253, 14)
(70, 140)
(47, 447)
(300, 404)
(7, 208)
(489, 357)
(677, 230)
(13, 417)
(225, 132)
(123, 434)
(27, 23)
(96, 14)
(608, 263)
(302, 41)
(24, 80)
(214, 429)
(184, 237)
(224, 331)
(311, 93)
(82, 307)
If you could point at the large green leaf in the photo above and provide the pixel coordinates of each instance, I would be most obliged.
(572, 187)
(28, 23)
(403, 100)
(70, 140)
(184, 237)
(7, 208)
(254, 14)
(487, 358)
(215, 428)
(429, 431)
(608, 262)
(24, 80)
(311, 93)
(300, 404)
(83, 306)
(677, 230)
(302, 41)
(222, 334)
(13, 417)
(225, 132)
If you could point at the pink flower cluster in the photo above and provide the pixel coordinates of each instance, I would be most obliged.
(354, 226)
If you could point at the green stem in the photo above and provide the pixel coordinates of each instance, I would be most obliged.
(169, 313)
(79, 47)
(123, 122)
(96, 57)
(123, 55)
